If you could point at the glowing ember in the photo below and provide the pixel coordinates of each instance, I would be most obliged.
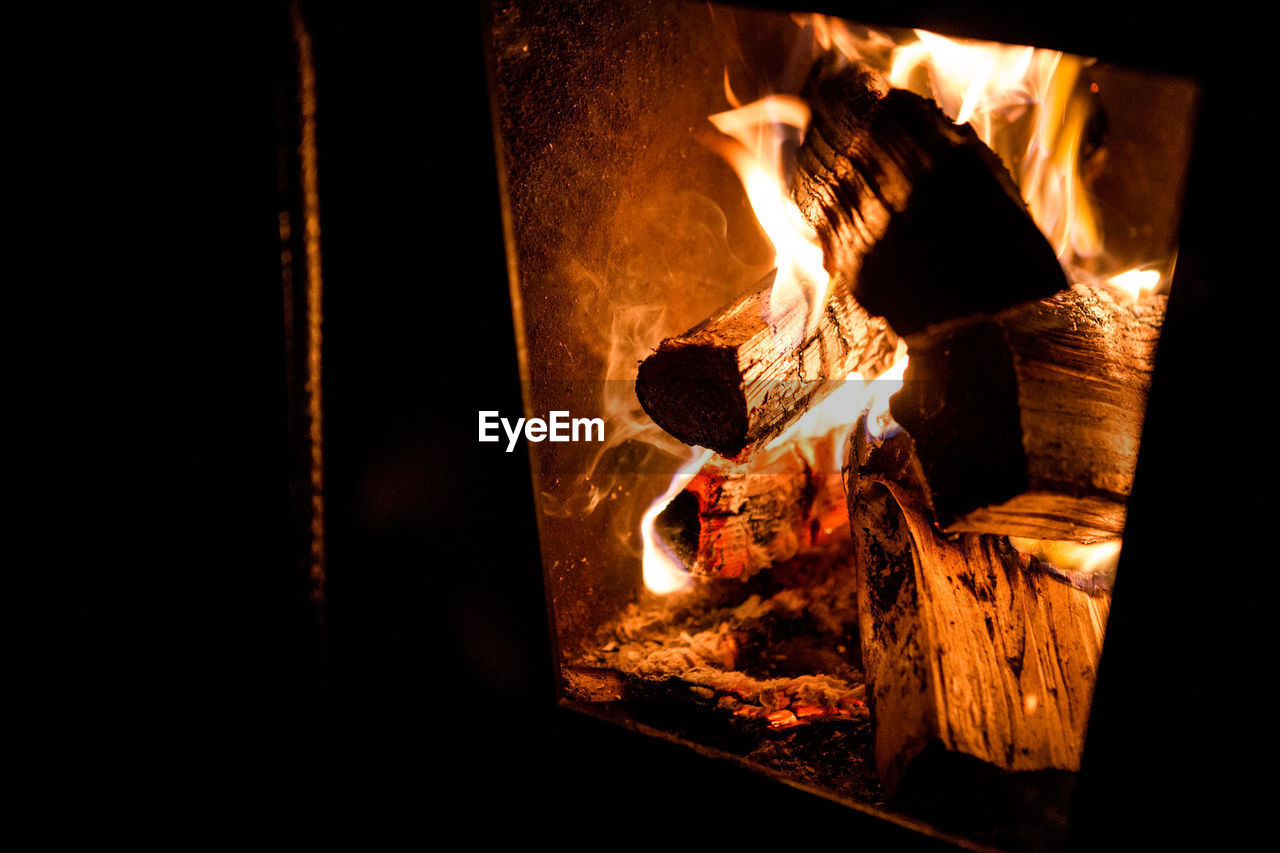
(818, 438)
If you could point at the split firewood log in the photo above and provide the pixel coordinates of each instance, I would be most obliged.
(978, 664)
(736, 518)
(916, 211)
(1027, 423)
(919, 222)
(734, 381)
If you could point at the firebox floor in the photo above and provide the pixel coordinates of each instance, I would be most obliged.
(766, 670)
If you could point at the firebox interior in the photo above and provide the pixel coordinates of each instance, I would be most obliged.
(624, 230)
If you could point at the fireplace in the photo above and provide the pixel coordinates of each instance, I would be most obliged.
(182, 682)
(733, 583)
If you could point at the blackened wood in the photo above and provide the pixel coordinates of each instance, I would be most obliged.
(1027, 423)
(734, 519)
(734, 381)
(975, 664)
(916, 211)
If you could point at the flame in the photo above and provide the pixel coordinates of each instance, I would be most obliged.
(1092, 558)
(753, 143)
(880, 422)
(839, 409)
(1032, 108)
(817, 437)
(833, 34)
(1136, 283)
(812, 434)
(663, 571)
(1026, 105)
(1029, 106)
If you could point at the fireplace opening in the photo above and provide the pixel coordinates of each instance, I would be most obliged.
(870, 315)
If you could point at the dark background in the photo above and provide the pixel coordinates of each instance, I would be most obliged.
(172, 685)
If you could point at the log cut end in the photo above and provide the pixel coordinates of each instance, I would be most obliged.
(695, 392)
(1027, 422)
(973, 455)
(679, 525)
(734, 381)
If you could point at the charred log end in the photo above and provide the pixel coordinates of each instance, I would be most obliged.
(846, 94)
(963, 415)
(679, 526)
(968, 237)
(695, 393)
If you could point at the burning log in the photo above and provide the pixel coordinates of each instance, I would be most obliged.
(1027, 423)
(734, 519)
(976, 665)
(916, 211)
(734, 381)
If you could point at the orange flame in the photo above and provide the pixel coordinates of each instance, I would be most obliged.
(758, 132)
(997, 89)
(1025, 103)
(1080, 557)
(821, 431)
(663, 571)
(841, 408)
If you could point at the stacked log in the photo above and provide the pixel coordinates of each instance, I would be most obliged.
(734, 381)
(916, 211)
(1020, 415)
(1027, 423)
(734, 519)
(968, 651)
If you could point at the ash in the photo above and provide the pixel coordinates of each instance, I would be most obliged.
(767, 670)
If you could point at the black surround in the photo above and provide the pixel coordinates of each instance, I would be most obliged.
(182, 693)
